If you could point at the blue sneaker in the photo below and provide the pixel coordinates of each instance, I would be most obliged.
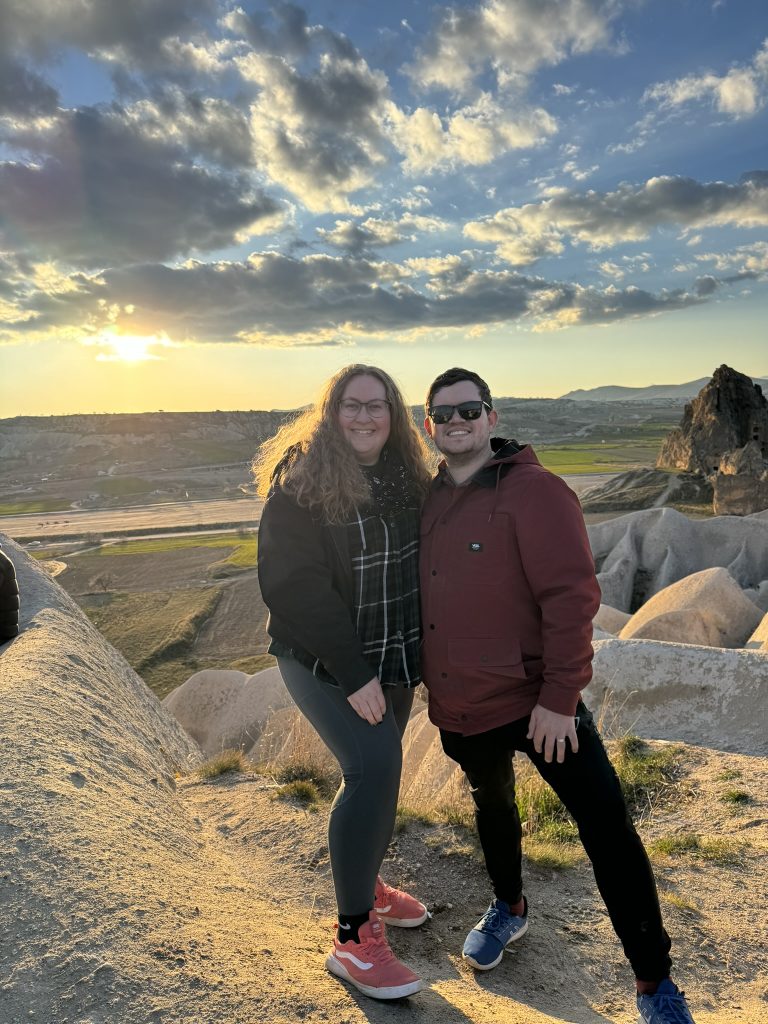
(666, 1006)
(491, 935)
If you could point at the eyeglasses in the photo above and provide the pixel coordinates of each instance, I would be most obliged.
(467, 411)
(377, 408)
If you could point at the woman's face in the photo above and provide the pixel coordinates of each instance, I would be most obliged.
(365, 433)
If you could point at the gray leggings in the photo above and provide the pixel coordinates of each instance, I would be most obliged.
(370, 758)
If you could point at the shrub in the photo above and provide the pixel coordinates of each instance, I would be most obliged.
(220, 764)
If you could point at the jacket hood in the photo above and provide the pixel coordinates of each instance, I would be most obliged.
(505, 452)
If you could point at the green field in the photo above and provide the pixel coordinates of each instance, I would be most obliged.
(243, 556)
(610, 457)
(22, 508)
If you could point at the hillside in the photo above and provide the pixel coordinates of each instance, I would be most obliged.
(55, 463)
(653, 393)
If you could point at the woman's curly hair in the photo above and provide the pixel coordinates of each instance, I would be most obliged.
(311, 460)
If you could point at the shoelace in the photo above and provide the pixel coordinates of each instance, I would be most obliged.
(672, 1006)
(491, 921)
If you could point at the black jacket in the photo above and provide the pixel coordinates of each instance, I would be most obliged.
(9, 600)
(305, 575)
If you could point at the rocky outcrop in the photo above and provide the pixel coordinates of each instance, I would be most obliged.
(727, 414)
(639, 554)
(707, 608)
(646, 488)
(741, 485)
(706, 695)
(221, 709)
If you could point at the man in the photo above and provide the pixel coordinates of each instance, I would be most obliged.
(508, 595)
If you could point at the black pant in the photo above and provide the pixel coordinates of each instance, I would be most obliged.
(587, 784)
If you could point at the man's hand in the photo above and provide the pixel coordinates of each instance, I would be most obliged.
(550, 731)
(369, 701)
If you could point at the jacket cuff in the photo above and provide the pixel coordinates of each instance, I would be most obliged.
(559, 699)
(354, 677)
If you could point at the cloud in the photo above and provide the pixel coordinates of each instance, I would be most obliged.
(751, 259)
(318, 299)
(318, 133)
(132, 33)
(601, 220)
(100, 191)
(512, 38)
(740, 93)
(375, 233)
(473, 135)
(210, 127)
(24, 92)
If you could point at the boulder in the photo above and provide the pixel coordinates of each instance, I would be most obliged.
(705, 695)
(610, 620)
(740, 495)
(221, 709)
(706, 608)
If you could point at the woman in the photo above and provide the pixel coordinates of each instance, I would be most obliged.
(338, 569)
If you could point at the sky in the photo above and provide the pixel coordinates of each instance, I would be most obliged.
(205, 205)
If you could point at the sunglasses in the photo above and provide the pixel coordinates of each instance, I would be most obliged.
(467, 411)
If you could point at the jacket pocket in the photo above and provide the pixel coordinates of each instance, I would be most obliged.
(494, 655)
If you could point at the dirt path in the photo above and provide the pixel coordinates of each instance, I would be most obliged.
(274, 912)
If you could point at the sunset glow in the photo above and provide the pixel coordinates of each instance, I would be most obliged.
(233, 202)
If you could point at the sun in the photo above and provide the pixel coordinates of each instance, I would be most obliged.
(129, 348)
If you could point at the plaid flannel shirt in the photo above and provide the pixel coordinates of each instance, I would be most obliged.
(385, 566)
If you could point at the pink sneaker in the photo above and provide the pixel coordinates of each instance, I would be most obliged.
(398, 908)
(371, 966)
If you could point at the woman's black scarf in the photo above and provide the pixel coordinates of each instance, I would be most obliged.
(393, 489)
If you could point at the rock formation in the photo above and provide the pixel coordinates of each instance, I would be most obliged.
(741, 485)
(727, 414)
(639, 554)
(704, 695)
(707, 608)
(646, 488)
(225, 708)
(724, 437)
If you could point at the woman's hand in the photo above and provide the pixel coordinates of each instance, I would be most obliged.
(369, 701)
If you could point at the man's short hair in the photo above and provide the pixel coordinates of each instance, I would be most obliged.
(454, 376)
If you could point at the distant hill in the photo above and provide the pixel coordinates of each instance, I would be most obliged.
(653, 393)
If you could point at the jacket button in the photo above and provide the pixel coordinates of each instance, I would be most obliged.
(431, 625)
(483, 657)
(463, 718)
(444, 675)
(434, 572)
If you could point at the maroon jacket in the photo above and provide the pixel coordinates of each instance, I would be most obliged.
(508, 593)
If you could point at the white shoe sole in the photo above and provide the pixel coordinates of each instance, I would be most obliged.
(489, 967)
(392, 992)
(397, 922)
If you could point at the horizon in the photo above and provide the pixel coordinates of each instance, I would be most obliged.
(212, 207)
(289, 409)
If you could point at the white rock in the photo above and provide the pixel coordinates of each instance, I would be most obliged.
(641, 553)
(705, 695)
(707, 608)
(223, 709)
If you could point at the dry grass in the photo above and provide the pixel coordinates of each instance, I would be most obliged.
(221, 764)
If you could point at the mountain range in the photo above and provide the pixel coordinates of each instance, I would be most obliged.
(652, 393)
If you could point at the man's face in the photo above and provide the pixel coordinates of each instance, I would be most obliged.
(461, 439)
